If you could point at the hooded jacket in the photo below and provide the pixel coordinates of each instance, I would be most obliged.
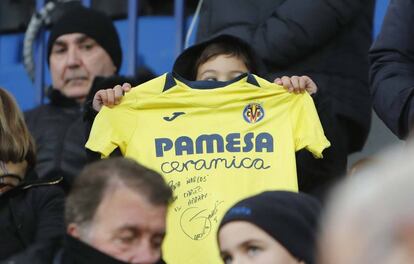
(185, 64)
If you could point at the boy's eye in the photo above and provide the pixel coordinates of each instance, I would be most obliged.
(212, 79)
(253, 250)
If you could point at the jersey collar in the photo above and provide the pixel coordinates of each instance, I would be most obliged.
(171, 78)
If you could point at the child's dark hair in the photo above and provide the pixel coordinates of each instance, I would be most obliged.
(188, 62)
(230, 47)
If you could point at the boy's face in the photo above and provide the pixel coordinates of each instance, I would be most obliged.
(221, 68)
(243, 242)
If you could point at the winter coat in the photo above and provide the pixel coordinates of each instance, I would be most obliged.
(392, 68)
(59, 133)
(325, 39)
(31, 213)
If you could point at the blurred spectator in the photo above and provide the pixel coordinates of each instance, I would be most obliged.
(115, 213)
(271, 227)
(392, 68)
(31, 210)
(360, 165)
(83, 44)
(370, 218)
(326, 40)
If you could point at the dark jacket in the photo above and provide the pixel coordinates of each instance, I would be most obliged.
(325, 39)
(31, 213)
(392, 68)
(58, 130)
(64, 251)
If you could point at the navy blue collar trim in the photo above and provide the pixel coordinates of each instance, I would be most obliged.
(170, 82)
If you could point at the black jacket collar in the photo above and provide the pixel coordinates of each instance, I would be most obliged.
(58, 99)
(32, 180)
(76, 251)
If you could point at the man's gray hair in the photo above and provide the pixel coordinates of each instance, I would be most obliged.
(96, 179)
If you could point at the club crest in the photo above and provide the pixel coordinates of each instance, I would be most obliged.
(253, 113)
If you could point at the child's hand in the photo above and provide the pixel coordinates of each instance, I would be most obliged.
(297, 84)
(110, 97)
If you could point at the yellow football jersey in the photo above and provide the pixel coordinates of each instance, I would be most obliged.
(214, 143)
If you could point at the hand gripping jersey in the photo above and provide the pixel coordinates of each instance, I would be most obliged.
(215, 143)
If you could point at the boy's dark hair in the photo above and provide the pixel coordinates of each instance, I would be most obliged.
(97, 178)
(187, 64)
(225, 47)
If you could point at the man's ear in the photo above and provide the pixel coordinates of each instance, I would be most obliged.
(73, 230)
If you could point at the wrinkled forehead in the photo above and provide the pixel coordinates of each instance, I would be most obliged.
(134, 211)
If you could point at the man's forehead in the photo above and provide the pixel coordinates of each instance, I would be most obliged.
(137, 227)
(72, 38)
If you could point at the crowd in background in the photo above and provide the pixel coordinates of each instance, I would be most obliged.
(61, 203)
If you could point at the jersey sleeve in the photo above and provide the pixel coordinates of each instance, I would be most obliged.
(307, 129)
(112, 128)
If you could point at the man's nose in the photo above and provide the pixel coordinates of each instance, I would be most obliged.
(145, 253)
(73, 58)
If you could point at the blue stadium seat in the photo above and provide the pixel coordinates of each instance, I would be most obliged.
(10, 48)
(156, 40)
(380, 10)
(15, 79)
(156, 45)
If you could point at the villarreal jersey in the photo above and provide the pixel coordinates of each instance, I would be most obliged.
(214, 143)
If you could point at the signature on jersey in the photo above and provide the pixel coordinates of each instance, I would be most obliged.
(197, 223)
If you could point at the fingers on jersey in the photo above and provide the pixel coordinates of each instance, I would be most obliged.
(311, 86)
(297, 84)
(111, 96)
(126, 87)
